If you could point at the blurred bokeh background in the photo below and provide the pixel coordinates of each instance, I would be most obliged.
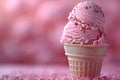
(30, 30)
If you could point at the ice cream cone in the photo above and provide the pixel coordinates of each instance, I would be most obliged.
(84, 40)
(84, 61)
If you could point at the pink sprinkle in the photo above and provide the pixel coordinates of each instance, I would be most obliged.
(96, 11)
(86, 7)
(76, 23)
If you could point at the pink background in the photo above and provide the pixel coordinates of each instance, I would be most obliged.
(30, 30)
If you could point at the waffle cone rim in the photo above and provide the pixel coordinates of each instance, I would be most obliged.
(79, 45)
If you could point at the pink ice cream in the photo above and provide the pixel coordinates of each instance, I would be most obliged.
(85, 25)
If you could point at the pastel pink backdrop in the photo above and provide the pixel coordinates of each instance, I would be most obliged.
(30, 30)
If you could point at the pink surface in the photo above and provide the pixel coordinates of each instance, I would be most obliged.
(85, 25)
(10, 72)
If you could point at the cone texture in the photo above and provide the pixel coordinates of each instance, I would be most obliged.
(84, 68)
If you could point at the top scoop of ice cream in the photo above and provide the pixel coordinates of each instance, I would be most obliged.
(85, 25)
(88, 12)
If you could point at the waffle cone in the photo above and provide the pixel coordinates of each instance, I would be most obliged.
(84, 61)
